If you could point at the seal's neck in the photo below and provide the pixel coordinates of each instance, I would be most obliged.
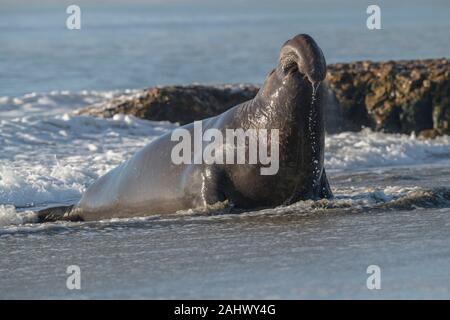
(285, 99)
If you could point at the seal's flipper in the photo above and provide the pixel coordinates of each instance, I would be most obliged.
(325, 190)
(57, 213)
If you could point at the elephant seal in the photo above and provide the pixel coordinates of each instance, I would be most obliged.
(291, 101)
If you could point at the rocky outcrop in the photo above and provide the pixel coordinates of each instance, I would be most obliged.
(182, 104)
(393, 96)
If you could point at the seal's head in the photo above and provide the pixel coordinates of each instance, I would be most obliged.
(302, 54)
(300, 70)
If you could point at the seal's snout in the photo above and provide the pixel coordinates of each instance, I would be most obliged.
(304, 52)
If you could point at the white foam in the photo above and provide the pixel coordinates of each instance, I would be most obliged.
(52, 159)
(9, 216)
(366, 149)
(56, 102)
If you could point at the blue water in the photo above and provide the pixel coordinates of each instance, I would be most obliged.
(135, 44)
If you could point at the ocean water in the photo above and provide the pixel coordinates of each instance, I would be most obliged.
(392, 194)
(134, 44)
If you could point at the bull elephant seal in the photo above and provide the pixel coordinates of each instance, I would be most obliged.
(291, 100)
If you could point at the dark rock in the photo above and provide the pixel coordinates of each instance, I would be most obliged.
(182, 104)
(400, 96)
